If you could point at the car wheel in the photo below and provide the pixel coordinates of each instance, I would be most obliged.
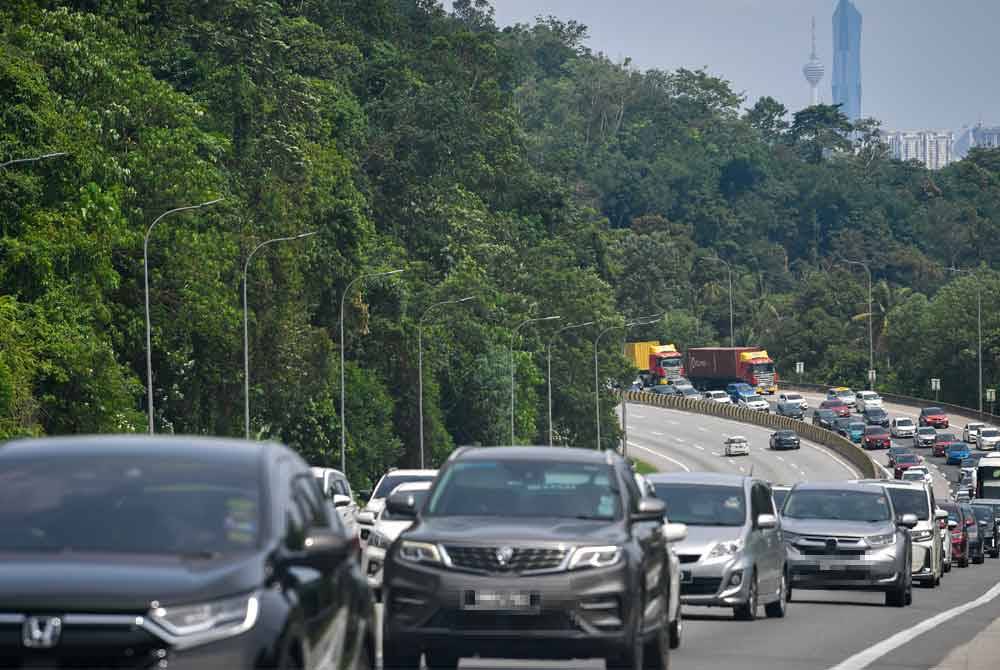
(399, 659)
(748, 611)
(776, 609)
(947, 567)
(441, 660)
(656, 655)
(676, 630)
(629, 660)
(896, 597)
(908, 595)
(980, 559)
(995, 553)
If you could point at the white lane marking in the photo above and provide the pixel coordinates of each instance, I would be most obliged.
(679, 440)
(781, 458)
(742, 469)
(659, 455)
(716, 453)
(638, 416)
(699, 447)
(732, 461)
(703, 429)
(673, 423)
(868, 656)
(656, 432)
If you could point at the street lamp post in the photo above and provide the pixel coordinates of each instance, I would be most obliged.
(145, 279)
(512, 338)
(871, 317)
(343, 415)
(549, 366)
(420, 366)
(979, 328)
(729, 268)
(246, 329)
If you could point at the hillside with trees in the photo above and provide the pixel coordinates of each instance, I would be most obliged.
(510, 165)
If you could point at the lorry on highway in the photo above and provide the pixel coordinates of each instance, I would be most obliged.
(657, 363)
(715, 367)
(987, 478)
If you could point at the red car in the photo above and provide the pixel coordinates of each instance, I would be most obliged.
(838, 406)
(959, 533)
(876, 437)
(933, 416)
(942, 442)
(904, 462)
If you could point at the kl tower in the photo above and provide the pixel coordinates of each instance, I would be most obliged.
(813, 70)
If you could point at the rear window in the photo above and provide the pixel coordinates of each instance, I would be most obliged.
(911, 501)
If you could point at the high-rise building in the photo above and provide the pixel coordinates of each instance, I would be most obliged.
(933, 148)
(976, 136)
(847, 59)
(814, 70)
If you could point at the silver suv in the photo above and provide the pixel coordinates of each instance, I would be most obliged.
(843, 535)
(733, 555)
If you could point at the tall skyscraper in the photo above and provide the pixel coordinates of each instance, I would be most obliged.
(847, 59)
(814, 70)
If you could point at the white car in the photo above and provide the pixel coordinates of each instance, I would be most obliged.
(376, 501)
(867, 400)
(791, 397)
(755, 402)
(337, 491)
(673, 533)
(988, 439)
(720, 397)
(917, 474)
(971, 432)
(903, 426)
(387, 528)
(844, 394)
(736, 445)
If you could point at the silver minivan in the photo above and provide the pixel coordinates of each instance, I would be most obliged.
(734, 553)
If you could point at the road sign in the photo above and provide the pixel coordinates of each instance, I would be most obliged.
(800, 367)
(991, 395)
(935, 384)
(871, 376)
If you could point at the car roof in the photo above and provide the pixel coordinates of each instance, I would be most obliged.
(701, 478)
(571, 454)
(891, 483)
(217, 450)
(412, 486)
(411, 473)
(320, 471)
(861, 486)
(841, 388)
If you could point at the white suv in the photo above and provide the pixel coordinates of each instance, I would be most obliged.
(389, 481)
(988, 438)
(387, 528)
(867, 400)
(720, 397)
(755, 402)
(903, 426)
(792, 397)
(971, 432)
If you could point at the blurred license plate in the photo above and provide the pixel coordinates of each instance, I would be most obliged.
(827, 566)
(506, 601)
(686, 577)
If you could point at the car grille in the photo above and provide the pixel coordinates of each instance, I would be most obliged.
(688, 558)
(108, 647)
(485, 559)
(702, 586)
(831, 545)
(546, 620)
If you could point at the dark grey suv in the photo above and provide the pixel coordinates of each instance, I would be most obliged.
(842, 535)
(529, 552)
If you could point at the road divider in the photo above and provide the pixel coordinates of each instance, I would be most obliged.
(840, 446)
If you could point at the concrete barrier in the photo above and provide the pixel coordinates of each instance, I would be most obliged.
(841, 446)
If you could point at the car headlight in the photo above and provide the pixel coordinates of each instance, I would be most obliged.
(921, 535)
(379, 540)
(882, 540)
(419, 552)
(595, 557)
(193, 625)
(724, 550)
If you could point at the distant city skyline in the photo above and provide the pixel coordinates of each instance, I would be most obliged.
(926, 65)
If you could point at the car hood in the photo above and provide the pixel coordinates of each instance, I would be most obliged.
(115, 583)
(835, 527)
(701, 538)
(489, 531)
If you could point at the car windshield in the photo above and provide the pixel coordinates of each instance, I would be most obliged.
(926, 430)
(845, 394)
(946, 437)
(915, 474)
(837, 505)
(856, 427)
(905, 422)
(907, 458)
(389, 482)
(527, 488)
(131, 503)
(875, 430)
(957, 446)
(989, 432)
(754, 398)
(932, 411)
(875, 411)
(911, 501)
(703, 505)
(983, 513)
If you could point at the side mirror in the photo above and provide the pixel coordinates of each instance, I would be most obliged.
(940, 514)
(952, 524)
(341, 500)
(675, 532)
(908, 520)
(402, 504)
(982, 524)
(767, 521)
(650, 509)
(365, 518)
(322, 550)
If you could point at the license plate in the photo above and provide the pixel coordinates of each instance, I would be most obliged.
(828, 566)
(686, 577)
(501, 601)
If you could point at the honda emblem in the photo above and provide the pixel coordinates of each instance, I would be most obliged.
(41, 632)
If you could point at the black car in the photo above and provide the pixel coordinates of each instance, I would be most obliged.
(529, 552)
(988, 526)
(785, 439)
(792, 410)
(144, 552)
(876, 416)
(824, 418)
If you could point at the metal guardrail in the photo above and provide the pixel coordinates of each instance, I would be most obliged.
(843, 447)
(905, 400)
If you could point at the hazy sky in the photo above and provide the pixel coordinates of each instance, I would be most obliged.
(925, 63)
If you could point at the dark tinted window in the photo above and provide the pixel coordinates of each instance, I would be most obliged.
(833, 504)
(910, 501)
(983, 513)
(129, 503)
(389, 482)
(932, 410)
(702, 505)
(529, 488)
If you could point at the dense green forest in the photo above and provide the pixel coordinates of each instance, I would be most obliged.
(511, 165)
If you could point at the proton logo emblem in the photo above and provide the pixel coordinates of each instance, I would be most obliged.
(831, 544)
(504, 554)
(41, 632)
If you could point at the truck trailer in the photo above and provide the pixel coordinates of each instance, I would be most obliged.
(715, 367)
